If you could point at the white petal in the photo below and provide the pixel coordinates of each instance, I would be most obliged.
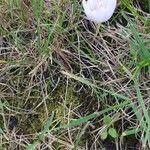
(99, 10)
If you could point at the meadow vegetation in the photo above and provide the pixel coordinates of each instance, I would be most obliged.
(65, 86)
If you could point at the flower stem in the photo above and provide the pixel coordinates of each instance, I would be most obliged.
(97, 29)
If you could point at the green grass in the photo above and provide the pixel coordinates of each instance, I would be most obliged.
(61, 77)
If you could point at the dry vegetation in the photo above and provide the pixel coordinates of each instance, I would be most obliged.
(62, 86)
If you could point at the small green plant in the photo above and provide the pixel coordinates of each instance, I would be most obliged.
(109, 128)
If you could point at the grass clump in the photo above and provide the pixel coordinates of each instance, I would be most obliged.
(62, 86)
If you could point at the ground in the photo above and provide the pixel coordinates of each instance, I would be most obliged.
(63, 85)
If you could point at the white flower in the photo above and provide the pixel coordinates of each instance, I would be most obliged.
(99, 11)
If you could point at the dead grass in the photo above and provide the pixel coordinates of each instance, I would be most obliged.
(51, 61)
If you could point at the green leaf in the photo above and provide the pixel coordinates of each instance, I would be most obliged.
(128, 5)
(88, 83)
(131, 131)
(91, 116)
(104, 134)
(112, 132)
(107, 120)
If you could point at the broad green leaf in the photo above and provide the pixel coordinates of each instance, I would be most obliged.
(104, 134)
(107, 120)
(112, 132)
